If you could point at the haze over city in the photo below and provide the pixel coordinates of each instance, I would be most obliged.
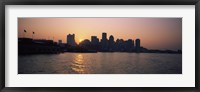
(155, 33)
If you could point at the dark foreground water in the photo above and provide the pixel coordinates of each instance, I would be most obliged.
(100, 63)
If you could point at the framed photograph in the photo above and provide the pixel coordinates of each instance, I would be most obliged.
(146, 45)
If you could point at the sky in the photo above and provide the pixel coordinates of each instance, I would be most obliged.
(154, 33)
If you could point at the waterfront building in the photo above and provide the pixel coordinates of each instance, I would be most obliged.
(104, 36)
(85, 44)
(133, 46)
(137, 43)
(129, 45)
(104, 42)
(94, 40)
(111, 43)
(71, 40)
(120, 45)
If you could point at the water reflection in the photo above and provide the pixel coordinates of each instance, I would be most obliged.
(101, 63)
(78, 64)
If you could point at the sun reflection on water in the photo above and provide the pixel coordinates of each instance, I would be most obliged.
(78, 64)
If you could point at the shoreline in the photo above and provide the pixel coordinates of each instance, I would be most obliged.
(97, 52)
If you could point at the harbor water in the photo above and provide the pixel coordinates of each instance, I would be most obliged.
(100, 63)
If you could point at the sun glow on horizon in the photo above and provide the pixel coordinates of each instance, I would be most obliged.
(168, 31)
(80, 40)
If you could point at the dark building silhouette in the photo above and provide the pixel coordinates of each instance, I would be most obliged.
(94, 43)
(120, 45)
(71, 40)
(111, 43)
(37, 46)
(137, 45)
(85, 43)
(129, 45)
(94, 40)
(133, 46)
(104, 41)
(42, 46)
(117, 45)
(104, 36)
(87, 46)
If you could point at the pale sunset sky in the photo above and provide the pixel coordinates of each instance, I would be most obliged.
(154, 33)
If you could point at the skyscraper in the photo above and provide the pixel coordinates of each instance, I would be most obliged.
(129, 45)
(133, 46)
(120, 45)
(104, 45)
(111, 43)
(94, 40)
(104, 36)
(137, 43)
(71, 40)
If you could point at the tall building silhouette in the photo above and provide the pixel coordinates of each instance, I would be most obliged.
(94, 40)
(120, 45)
(111, 43)
(129, 44)
(137, 43)
(105, 45)
(133, 46)
(104, 36)
(71, 40)
(104, 42)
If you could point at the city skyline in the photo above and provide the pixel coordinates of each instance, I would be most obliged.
(105, 44)
(150, 30)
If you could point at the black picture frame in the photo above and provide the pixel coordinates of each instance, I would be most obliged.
(99, 2)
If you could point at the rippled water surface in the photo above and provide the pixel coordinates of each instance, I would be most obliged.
(100, 63)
